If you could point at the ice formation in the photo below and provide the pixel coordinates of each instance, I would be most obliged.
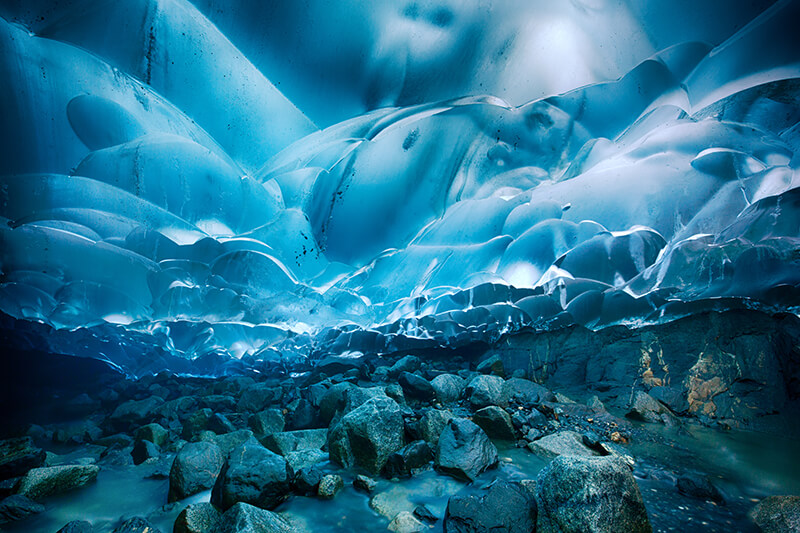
(189, 185)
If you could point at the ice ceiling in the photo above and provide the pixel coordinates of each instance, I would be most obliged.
(225, 180)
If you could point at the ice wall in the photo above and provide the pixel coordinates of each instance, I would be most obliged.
(166, 196)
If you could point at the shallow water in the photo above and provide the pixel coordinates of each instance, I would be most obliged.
(746, 466)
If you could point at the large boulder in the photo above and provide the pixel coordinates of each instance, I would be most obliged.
(432, 423)
(17, 507)
(484, 391)
(416, 387)
(777, 514)
(154, 433)
(17, 456)
(448, 387)
(144, 450)
(194, 469)
(526, 393)
(255, 475)
(464, 451)
(496, 422)
(589, 494)
(244, 518)
(267, 422)
(561, 443)
(410, 460)
(46, 481)
(368, 435)
(287, 442)
(505, 506)
(198, 518)
(258, 397)
(647, 409)
(135, 412)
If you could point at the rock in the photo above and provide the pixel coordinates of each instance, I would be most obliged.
(406, 522)
(198, 518)
(364, 483)
(194, 469)
(589, 494)
(432, 423)
(267, 422)
(258, 397)
(244, 518)
(252, 474)
(647, 409)
(368, 435)
(561, 443)
(135, 412)
(670, 397)
(229, 441)
(409, 363)
(137, 525)
(409, 460)
(307, 480)
(416, 387)
(483, 391)
(777, 514)
(505, 506)
(395, 392)
(77, 526)
(332, 401)
(492, 365)
(526, 393)
(46, 481)
(302, 415)
(700, 487)
(448, 388)
(154, 433)
(305, 458)
(286, 442)
(464, 451)
(496, 422)
(17, 507)
(196, 423)
(423, 513)
(17, 456)
(77, 433)
(329, 485)
(144, 450)
(219, 424)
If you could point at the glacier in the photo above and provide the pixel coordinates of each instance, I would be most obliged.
(198, 186)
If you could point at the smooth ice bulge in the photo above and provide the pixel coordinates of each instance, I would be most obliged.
(167, 194)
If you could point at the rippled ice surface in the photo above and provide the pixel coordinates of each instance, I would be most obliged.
(745, 466)
(211, 181)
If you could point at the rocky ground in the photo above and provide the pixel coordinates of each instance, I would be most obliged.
(363, 441)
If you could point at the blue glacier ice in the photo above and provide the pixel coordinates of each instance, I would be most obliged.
(196, 185)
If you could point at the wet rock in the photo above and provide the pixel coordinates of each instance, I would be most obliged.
(194, 469)
(292, 441)
(46, 481)
(302, 415)
(332, 401)
(244, 518)
(495, 422)
(229, 441)
(406, 522)
(464, 451)
(329, 485)
(777, 514)
(568, 496)
(77, 526)
(144, 450)
(699, 487)
(492, 365)
(671, 397)
(416, 387)
(198, 518)
(483, 391)
(364, 483)
(307, 480)
(17, 456)
(647, 409)
(424, 514)
(219, 424)
(526, 393)
(258, 397)
(504, 507)
(304, 458)
(561, 443)
(135, 412)
(17, 507)
(252, 474)
(409, 363)
(137, 525)
(448, 387)
(196, 424)
(338, 364)
(395, 392)
(154, 433)
(432, 423)
(77, 433)
(409, 460)
(267, 422)
(368, 435)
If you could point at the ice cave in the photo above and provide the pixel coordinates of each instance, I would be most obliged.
(409, 265)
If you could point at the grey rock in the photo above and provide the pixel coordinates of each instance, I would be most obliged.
(258, 397)
(194, 469)
(154, 433)
(137, 525)
(252, 474)
(647, 409)
(17, 456)
(526, 393)
(77, 526)
(416, 387)
(198, 518)
(408, 461)
(196, 424)
(219, 424)
(364, 483)
(244, 518)
(464, 451)
(229, 441)
(448, 387)
(561, 443)
(304, 458)
(329, 485)
(567, 496)
(135, 412)
(368, 435)
(432, 423)
(307, 480)
(46, 481)
(17, 507)
(496, 422)
(504, 507)
(406, 522)
(777, 514)
(409, 363)
(144, 450)
(267, 422)
(699, 487)
(483, 391)
(286, 442)
(492, 365)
